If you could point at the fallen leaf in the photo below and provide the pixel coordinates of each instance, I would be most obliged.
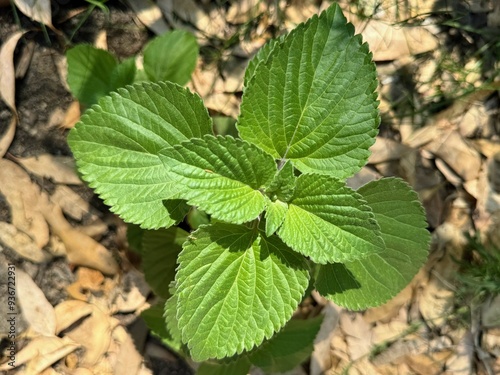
(80, 248)
(69, 312)
(320, 358)
(94, 334)
(35, 308)
(391, 42)
(7, 71)
(23, 203)
(61, 169)
(358, 334)
(8, 136)
(71, 116)
(41, 352)
(22, 244)
(128, 360)
(385, 149)
(101, 40)
(72, 204)
(150, 15)
(37, 10)
(134, 293)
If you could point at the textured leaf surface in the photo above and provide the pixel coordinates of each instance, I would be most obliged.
(116, 146)
(275, 214)
(160, 249)
(313, 99)
(235, 288)
(289, 347)
(171, 57)
(283, 184)
(221, 175)
(329, 222)
(123, 74)
(376, 279)
(89, 73)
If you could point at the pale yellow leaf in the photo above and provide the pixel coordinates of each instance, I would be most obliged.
(8, 136)
(69, 312)
(22, 244)
(7, 70)
(61, 169)
(150, 15)
(36, 310)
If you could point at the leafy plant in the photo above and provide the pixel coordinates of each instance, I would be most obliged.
(281, 215)
(93, 72)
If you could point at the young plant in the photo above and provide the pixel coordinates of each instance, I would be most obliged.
(281, 215)
(94, 73)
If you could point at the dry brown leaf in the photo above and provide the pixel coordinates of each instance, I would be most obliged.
(462, 362)
(134, 294)
(458, 154)
(23, 202)
(358, 334)
(486, 147)
(101, 40)
(71, 116)
(94, 334)
(80, 248)
(72, 204)
(61, 169)
(22, 244)
(226, 104)
(390, 309)
(243, 11)
(35, 308)
(69, 312)
(41, 352)
(150, 15)
(385, 149)
(320, 358)
(7, 71)
(390, 42)
(87, 280)
(474, 120)
(8, 136)
(128, 360)
(37, 10)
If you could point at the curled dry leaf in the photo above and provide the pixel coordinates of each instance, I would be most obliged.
(72, 204)
(320, 359)
(22, 244)
(41, 352)
(127, 360)
(7, 71)
(8, 136)
(150, 15)
(69, 312)
(37, 10)
(24, 204)
(385, 149)
(80, 248)
(36, 310)
(61, 169)
(94, 334)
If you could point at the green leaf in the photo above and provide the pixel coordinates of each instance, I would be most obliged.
(170, 315)
(123, 74)
(239, 366)
(374, 280)
(283, 184)
(329, 222)
(171, 57)
(116, 146)
(262, 56)
(275, 214)
(156, 323)
(235, 288)
(160, 249)
(221, 175)
(313, 99)
(89, 72)
(289, 347)
(134, 237)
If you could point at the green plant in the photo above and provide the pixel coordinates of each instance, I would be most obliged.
(281, 217)
(93, 72)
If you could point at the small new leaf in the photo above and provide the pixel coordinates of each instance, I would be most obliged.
(221, 175)
(116, 146)
(283, 184)
(235, 288)
(374, 280)
(329, 222)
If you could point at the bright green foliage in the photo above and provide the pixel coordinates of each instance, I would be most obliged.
(156, 322)
(236, 287)
(266, 205)
(93, 72)
(221, 175)
(313, 101)
(376, 279)
(329, 222)
(117, 149)
(289, 348)
(160, 249)
(171, 57)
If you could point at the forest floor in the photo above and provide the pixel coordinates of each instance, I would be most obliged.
(438, 64)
